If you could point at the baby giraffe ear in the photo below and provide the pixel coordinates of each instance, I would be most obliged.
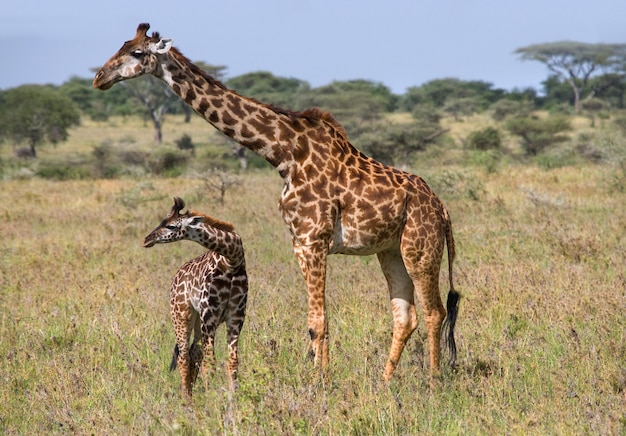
(161, 46)
(195, 220)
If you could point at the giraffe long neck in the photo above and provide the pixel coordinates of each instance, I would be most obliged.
(224, 243)
(252, 124)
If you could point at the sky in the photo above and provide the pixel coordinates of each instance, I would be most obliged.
(399, 43)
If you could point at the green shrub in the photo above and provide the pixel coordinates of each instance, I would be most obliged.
(167, 162)
(63, 171)
(504, 108)
(185, 143)
(488, 138)
(538, 134)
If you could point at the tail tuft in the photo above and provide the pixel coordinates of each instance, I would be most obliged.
(452, 306)
(174, 358)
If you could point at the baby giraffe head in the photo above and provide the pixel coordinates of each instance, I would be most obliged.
(174, 227)
(136, 57)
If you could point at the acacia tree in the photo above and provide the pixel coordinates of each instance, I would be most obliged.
(155, 97)
(577, 62)
(36, 114)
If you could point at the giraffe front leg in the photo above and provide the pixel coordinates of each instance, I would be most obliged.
(312, 260)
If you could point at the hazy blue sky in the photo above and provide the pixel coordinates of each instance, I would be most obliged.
(401, 43)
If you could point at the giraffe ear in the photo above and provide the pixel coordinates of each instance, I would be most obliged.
(163, 45)
(179, 204)
(195, 220)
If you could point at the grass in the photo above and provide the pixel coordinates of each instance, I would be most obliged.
(86, 336)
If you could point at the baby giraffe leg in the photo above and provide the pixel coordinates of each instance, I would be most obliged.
(208, 364)
(182, 327)
(195, 352)
(184, 367)
(233, 361)
(195, 360)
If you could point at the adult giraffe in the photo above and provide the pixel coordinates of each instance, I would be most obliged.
(335, 199)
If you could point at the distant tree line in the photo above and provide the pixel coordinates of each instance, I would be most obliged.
(582, 77)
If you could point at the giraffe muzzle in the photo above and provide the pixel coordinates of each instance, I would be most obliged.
(99, 82)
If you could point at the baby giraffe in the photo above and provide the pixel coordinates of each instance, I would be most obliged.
(206, 291)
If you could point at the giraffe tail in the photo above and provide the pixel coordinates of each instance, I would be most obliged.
(452, 305)
(174, 358)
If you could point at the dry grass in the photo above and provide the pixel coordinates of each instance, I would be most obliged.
(86, 335)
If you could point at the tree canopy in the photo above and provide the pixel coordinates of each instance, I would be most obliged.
(577, 62)
(36, 114)
(271, 89)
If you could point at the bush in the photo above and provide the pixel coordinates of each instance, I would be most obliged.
(167, 162)
(185, 143)
(62, 171)
(538, 134)
(488, 138)
(504, 108)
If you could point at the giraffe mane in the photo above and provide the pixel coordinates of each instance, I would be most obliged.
(196, 69)
(213, 222)
(313, 115)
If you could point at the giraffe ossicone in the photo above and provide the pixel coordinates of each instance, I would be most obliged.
(206, 291)
(335, 199)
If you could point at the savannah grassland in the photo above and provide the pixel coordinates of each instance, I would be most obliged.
(86, 339)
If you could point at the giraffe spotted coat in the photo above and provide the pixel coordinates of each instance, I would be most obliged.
(335, 200)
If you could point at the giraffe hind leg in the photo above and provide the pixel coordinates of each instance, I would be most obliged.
(207, 326)
(427, 291)
(234, 326)
(233, 363)
(401, 293)
(195, 359)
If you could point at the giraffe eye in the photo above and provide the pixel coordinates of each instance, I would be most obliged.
(137, 54)
(171, 227)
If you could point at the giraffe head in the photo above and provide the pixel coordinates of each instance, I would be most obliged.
(136, 57)
(189, 225)
(174, 227)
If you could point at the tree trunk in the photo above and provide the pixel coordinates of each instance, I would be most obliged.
(576, 98)
(187, 111)
(240, 152)
(158, 133)
(156, 122)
